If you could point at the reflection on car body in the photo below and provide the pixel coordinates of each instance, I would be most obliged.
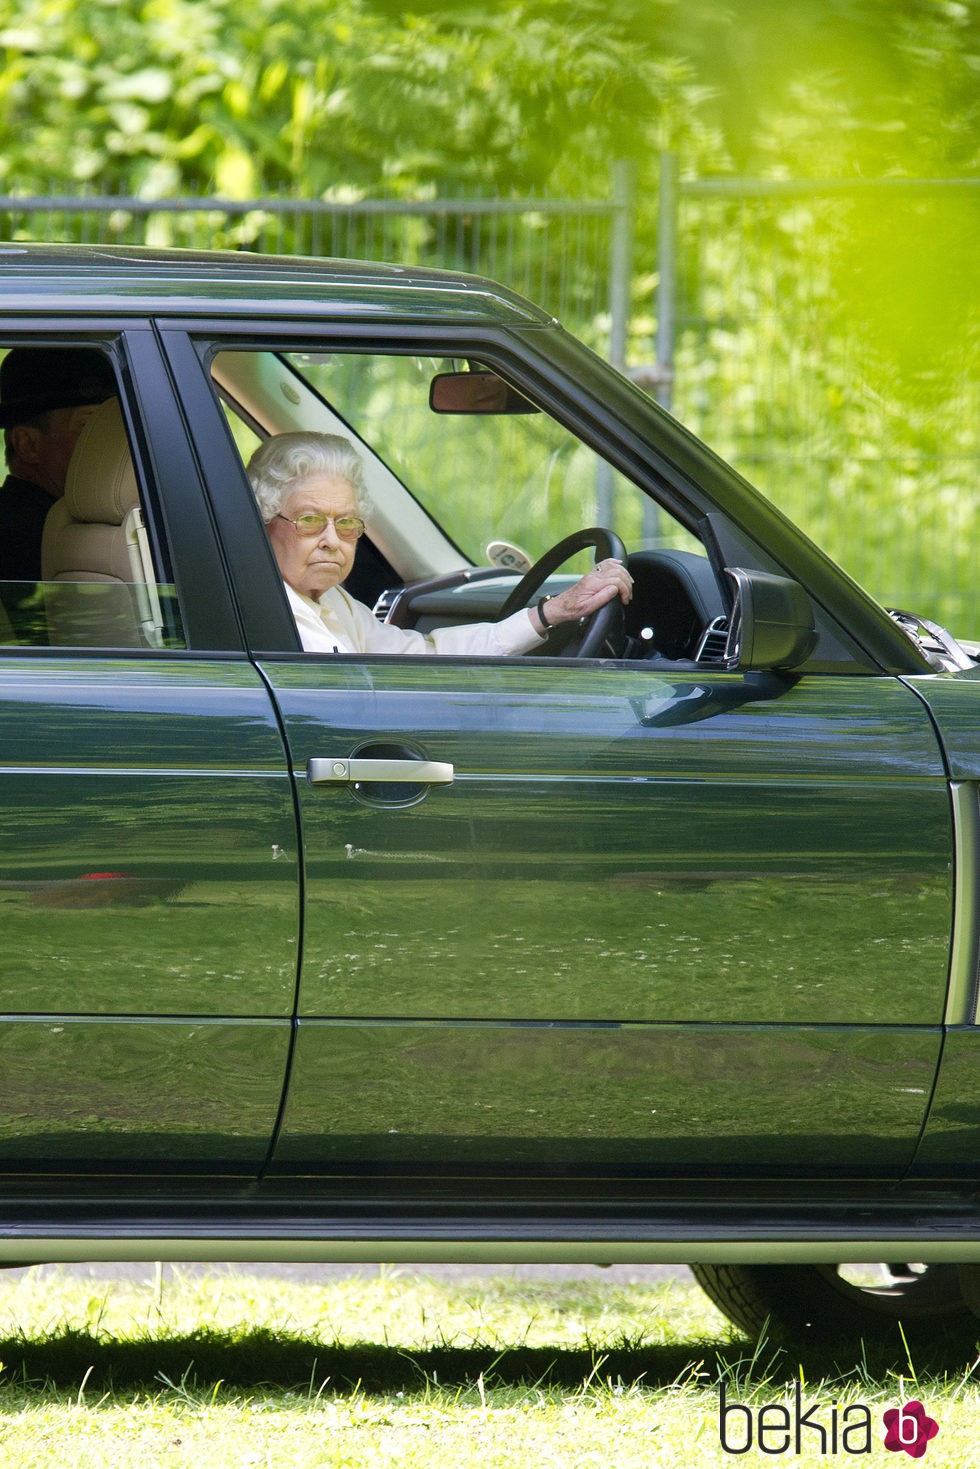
(659, 944)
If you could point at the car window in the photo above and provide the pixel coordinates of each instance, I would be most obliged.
(510, 473)
(79, 556)
(462, 471)
(517, 476)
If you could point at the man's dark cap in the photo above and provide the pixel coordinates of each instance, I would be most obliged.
(35, 380)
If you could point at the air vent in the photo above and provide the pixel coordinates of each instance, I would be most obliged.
(714, 642)
(382, 607)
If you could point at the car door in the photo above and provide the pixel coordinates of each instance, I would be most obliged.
(581, 917)
(148, 856)
(616, 940)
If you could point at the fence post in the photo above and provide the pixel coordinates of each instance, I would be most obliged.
(621, 259)
(661, 380)
(620, 305)
(667, 277)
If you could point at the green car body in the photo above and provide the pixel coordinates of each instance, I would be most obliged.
(681, 964)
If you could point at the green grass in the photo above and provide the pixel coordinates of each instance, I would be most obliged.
(228, 1369)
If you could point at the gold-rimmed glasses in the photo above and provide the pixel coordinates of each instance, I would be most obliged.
(348, 527)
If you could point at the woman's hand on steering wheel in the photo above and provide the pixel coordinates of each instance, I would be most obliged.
(595, 600)
(608, 579)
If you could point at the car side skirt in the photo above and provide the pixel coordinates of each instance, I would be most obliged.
(474, 1252)
(941, 1231)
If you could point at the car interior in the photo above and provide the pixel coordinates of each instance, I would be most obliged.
(99, 587)
(466, 480)
(99, 583)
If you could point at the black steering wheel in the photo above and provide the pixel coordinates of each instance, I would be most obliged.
(603, 626)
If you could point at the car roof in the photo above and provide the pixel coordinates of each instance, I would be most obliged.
(126, 279)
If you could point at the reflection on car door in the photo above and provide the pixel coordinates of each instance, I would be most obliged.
(149, 929)
(148, 877)
(655, 924)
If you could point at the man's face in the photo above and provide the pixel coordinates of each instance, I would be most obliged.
(43, 453)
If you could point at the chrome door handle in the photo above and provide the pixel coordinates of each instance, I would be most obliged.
(409, 772)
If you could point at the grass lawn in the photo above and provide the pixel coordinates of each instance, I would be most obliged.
(568, 1369)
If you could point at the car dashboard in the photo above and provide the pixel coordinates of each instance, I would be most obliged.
(677, 611)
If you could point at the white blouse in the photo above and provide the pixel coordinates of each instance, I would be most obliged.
(339, 624)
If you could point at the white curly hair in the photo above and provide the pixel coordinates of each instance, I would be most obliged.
(285, 461)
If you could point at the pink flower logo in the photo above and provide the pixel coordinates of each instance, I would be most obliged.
(909, 1428)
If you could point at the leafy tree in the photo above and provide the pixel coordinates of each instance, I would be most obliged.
(862, 307)
(155, 96)
(159, 95)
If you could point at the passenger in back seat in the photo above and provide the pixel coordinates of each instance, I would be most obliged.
(46, 394)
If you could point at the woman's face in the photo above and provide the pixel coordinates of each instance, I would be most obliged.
(313, 564)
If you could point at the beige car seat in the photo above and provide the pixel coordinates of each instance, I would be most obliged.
(100, 587)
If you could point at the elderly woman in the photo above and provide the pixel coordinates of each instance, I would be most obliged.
(310, 490)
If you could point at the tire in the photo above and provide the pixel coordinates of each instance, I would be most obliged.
(822, 1303)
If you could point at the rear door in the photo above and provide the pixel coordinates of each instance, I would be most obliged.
(148, 852)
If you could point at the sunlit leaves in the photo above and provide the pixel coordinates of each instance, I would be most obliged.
(875, 297)
(510, 96)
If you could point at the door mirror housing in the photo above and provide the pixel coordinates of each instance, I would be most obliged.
(771, 624)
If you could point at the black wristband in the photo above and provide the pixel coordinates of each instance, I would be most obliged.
(540, 610)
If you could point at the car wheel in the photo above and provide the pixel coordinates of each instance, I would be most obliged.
(827, 1302)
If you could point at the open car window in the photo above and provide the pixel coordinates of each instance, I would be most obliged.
(79, 557)
(488, 465)
(469, 485)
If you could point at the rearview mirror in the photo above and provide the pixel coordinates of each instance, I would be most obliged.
(771, 625)
(475, 392)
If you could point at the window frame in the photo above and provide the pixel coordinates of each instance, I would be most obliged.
(699, 491)
(191, 345)
(183, 544)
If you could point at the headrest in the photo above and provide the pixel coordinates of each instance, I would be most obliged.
(101, 482)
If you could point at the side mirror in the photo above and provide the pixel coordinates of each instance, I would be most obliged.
(475, 392)
(771, 625)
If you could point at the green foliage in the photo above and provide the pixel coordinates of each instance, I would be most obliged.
(156, 96)
(833, 353)
(835, 363)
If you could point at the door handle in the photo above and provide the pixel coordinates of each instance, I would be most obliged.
(407, 772)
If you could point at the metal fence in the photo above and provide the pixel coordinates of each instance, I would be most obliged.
(573, 257)
(725, 302)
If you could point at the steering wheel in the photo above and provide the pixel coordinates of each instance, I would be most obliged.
(603, 625)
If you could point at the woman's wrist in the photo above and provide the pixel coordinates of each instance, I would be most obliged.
(542, 615)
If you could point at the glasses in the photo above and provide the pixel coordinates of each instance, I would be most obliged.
(348, 527)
